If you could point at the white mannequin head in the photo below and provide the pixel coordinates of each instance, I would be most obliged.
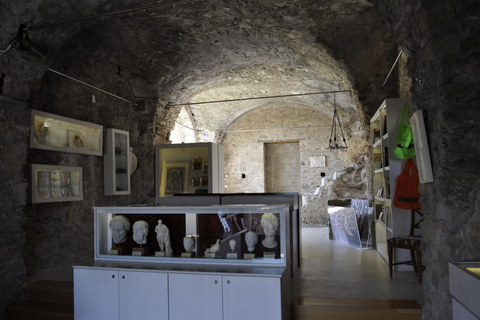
(270, 225)
(140, 231)
(119, 225)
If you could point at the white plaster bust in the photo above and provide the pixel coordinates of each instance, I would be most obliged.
(251, 240)
(188, 244)
(119, 225)
(270, 225)
(163, 237)
(140, 231)
(232, 244)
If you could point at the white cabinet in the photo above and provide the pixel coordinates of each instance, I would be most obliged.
(194, 296)
(390, 221)
(227, 297)
(120, 294)
(253, 298)
(116, 164)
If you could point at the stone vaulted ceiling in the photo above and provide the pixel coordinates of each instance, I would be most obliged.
(220, 50)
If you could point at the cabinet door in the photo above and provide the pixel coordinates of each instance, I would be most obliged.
(143, 295)
(95, 294)
(252, 298)
(196, 297)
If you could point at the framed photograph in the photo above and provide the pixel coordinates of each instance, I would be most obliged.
(196, 163)
(205, 167)
(196, 182)
(52, 132)
(204, 181)
(174, 178)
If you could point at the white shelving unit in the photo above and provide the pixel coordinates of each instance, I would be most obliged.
(389, 220)
(116, 162)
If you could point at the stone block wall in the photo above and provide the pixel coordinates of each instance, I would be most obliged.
(441, 38)
(244, 153)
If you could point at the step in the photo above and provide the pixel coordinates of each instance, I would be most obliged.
(50, 291)
(40, 311)
(312, 308)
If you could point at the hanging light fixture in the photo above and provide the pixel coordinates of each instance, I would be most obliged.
(334, 143)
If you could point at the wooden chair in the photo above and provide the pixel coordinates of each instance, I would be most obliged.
(412, 243)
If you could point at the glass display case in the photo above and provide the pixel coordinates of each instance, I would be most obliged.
(188, 168)
(55, 184)
(52, 132)
(225, 234)
(116, 164)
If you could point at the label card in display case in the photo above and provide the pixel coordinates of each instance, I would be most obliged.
(52, 132)
(55, 184)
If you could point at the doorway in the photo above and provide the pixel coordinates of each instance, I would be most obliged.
(282, 166)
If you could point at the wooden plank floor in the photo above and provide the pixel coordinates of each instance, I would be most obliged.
(306, 308)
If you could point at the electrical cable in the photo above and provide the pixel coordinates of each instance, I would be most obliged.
(8, 48)
(255, 98)
(394, 64)
(89, 85)
(164, 4)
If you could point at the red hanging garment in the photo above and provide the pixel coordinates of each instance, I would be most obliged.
(406, 192)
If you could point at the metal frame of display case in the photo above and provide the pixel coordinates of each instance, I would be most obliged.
(104, 241)
(53, 132)
(57, 184)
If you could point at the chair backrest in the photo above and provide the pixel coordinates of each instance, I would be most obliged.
(414, 224)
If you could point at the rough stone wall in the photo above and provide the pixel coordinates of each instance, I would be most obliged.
(442, 40)
(244, 153)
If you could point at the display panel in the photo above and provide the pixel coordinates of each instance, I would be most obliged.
(116, 163)
(207, 234)
(55, 184)
(53, 132)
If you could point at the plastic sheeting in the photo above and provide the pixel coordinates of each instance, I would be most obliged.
(352, 225)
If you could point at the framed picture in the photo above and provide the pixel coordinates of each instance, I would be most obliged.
(196, 163)
(205, 167)
(204, 181)
(57, 133)
(174, 178)
(196, 182)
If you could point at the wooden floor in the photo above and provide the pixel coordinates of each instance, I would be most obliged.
(305, 308)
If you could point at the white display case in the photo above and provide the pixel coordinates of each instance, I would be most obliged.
(188, 168)
(53, 132)
(464, 278)
(225, 225)
(55, 183)
(116, 162)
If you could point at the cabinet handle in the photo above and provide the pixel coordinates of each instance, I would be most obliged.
(228, 281)
(216, 281)
(113, 276)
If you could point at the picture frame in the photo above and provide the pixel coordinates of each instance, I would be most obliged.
(174, 178)
(204, 181)
(205, 167)
(57, 133)
(196, 163)
(196, 182)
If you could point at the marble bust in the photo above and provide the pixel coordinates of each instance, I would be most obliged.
(251, 240)
(163, 237)
(232, 244)
(119, 225)
(188, 244)
(140, 231)
(270, 225)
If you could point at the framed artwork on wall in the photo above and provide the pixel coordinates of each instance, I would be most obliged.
(55, 183)
(174, 178)
(196, 163)
(53, 132)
